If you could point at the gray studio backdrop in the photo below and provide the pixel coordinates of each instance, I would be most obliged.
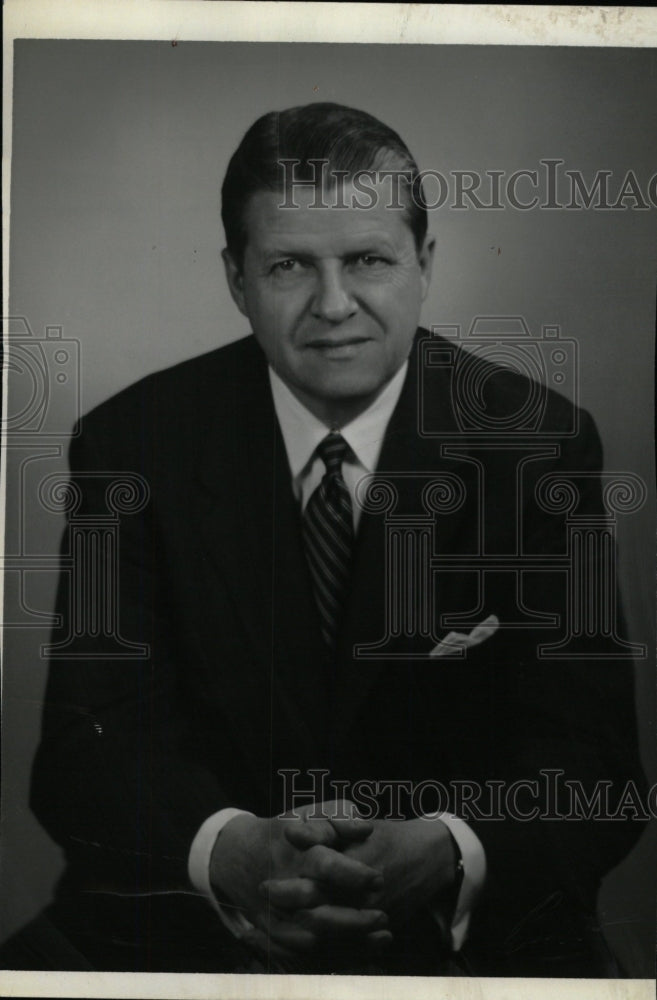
(118, 153)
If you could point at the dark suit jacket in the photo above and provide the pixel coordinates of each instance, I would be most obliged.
(237, 684)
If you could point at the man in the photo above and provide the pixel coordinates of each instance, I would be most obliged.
(259, 578)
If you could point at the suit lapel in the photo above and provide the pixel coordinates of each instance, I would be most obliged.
(250, 524)
(408, 459)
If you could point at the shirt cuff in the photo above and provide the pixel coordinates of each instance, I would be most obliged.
(474, 875)
(198, 869)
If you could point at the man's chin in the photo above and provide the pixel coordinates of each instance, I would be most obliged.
(350, 390)
(353, 378)
(338, 403)
(342, 391)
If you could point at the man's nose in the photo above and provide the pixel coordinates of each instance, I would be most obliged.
(333, 300)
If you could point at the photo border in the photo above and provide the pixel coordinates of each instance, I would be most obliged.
(192, 20)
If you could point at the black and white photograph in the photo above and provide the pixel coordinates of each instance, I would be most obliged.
(329, 509)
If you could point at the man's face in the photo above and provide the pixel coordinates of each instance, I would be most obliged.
(333, 296)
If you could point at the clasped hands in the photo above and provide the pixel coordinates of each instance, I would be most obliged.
(322, 880)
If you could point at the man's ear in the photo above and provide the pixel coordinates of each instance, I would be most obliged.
(235, 279)
(425, 257)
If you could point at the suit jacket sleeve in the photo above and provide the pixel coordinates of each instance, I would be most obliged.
(575, 719)
(119, 780)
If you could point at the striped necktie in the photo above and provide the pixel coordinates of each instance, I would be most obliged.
(328, 532)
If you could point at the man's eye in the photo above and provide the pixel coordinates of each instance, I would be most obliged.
(370, 260)
(285, 265)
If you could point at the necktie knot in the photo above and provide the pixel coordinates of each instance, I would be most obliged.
(332, 450)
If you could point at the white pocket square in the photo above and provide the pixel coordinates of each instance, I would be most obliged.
(455, 643)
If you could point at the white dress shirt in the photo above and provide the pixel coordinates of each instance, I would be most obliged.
(302, 431)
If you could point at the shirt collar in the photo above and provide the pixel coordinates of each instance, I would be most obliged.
(302, 431)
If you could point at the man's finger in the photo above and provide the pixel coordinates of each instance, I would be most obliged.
(336, 870)
(329, 922)
(379, 941)
(307, 833)
(285, 942)
(303, 893)
(293, 893)
(327, 831)
(282, 938)
(261, 943)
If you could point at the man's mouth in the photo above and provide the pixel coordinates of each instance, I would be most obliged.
(344, 348)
